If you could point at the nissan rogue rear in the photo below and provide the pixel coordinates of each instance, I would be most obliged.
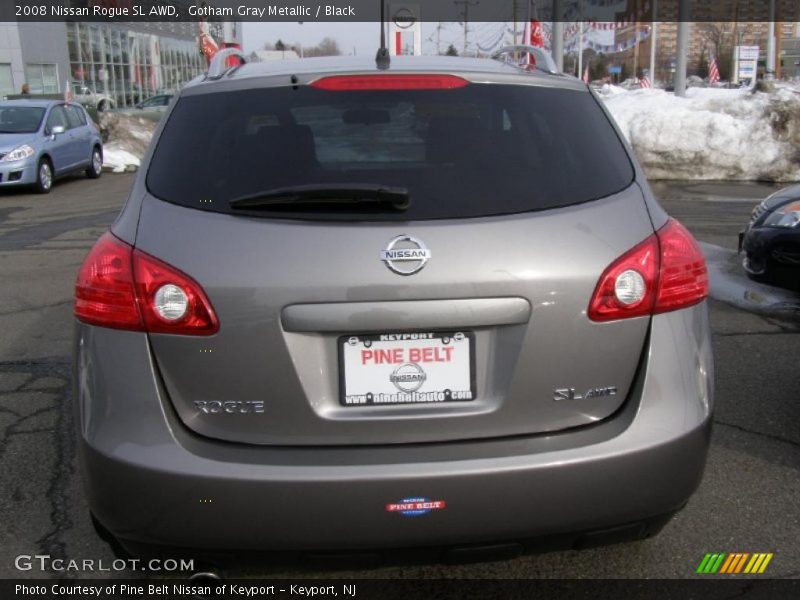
(352, 308)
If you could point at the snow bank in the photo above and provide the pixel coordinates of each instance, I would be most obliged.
(127, 140)
(712, 133)
(119, 161)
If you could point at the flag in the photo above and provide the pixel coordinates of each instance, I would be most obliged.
(586, 74)
(713, 70)
(535, 37)
(68, 97)
(644, 82)
(208, 46)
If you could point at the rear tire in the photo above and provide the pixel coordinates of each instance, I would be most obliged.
(102, 106)
(95, 168)
(44, 177)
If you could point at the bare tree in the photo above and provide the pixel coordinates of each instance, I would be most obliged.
(718, 38)
(327, 47)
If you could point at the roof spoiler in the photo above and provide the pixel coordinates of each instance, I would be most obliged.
(219, 64)
(544, 62)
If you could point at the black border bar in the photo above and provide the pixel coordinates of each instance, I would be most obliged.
(621, 11)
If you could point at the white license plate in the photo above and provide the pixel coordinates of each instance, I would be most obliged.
(407, 368)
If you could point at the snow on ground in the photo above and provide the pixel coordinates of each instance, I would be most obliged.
(712, 133)
(729, 284)
(128, 139)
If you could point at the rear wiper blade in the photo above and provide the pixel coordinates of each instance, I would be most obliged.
(346, 194)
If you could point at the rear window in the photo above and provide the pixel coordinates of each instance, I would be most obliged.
(475, 151)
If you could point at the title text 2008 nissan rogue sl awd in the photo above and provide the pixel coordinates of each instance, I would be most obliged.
(351, 308)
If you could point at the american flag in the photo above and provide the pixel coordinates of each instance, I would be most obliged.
(644, 82)
(713, 70)
(586, 75)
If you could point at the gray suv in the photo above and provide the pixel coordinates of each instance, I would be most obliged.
(348, 308)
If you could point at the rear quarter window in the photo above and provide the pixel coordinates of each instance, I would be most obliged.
(475, 151)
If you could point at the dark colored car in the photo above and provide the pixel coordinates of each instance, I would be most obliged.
(771, 240)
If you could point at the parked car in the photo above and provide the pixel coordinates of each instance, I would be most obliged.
(152, 108)
(358, 308)
(88, 96)
(158, 102)
(41, 140)
(771, 240)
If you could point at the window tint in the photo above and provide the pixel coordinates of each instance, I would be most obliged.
(57, 116)
(75, 116)
(475, 151)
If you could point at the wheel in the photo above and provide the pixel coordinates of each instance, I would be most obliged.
(102, 106)
(44, 177)
(95, 169)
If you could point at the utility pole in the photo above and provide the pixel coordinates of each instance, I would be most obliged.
(682, 47)
(653, 34)
(558, 34)
(466, 4)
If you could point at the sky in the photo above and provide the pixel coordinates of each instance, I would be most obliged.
(361, 38)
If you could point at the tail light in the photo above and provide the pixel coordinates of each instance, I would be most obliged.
(665, 272)
(353, 83)
(123, 288)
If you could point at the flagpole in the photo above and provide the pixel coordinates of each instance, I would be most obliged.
(580, 48)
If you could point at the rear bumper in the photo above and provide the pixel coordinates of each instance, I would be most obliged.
(150, 481)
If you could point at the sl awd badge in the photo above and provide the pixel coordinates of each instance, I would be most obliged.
(406, 255)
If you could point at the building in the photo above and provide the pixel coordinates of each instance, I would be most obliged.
(124, 62)
(715, 37)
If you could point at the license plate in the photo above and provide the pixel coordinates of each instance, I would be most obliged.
(407, 368)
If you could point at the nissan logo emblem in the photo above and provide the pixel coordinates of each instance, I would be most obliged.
(405, 255)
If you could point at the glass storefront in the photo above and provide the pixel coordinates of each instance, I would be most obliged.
(42, 78)
(129, 66)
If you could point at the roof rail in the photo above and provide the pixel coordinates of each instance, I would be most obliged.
(543, 59)
(219, 64)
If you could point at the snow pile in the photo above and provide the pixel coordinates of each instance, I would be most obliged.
(127, 140)
(723, 134)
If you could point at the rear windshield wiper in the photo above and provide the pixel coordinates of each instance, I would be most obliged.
(324, 195)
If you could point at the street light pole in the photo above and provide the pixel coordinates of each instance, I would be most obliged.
(770, 70)
(682, 48)
(653, 35)
(558, 35)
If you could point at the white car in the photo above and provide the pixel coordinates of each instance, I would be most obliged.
(88, 96)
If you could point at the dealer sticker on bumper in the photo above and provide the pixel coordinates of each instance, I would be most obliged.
(407, 368)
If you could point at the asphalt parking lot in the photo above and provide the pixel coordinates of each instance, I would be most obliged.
(747, 502)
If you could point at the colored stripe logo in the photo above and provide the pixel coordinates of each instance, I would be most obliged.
(733, 563)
